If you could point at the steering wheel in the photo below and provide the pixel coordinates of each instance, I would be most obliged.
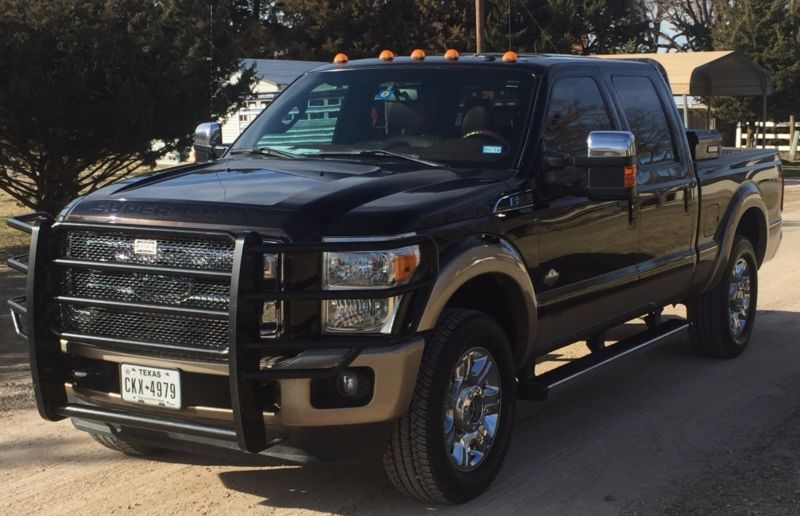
(486, 133)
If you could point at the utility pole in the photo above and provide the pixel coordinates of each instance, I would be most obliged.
(479, 26)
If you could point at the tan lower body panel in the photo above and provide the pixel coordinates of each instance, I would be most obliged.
(395, 371)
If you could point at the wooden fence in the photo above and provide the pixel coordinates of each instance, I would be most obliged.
(778, 135)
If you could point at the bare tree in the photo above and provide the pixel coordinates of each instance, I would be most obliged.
(687, 24)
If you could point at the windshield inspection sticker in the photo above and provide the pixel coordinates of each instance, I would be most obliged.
(492, 149)
(385, 93)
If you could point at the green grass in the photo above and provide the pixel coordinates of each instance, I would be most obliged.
(791, 169)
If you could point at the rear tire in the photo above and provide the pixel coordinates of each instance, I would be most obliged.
(113, 442)
(450, 445)
(722, 318)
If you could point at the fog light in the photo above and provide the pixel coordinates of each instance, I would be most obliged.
(347, 383)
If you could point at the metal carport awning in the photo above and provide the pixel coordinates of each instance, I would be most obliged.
(710, 74)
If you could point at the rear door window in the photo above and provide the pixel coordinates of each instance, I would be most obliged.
(647, 119)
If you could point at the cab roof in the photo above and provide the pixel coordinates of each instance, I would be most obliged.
(534, 62)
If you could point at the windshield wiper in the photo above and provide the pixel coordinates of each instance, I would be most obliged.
(379, 153)
(264, 151)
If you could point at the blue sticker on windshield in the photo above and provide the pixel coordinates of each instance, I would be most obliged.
(492, 149)
(386, 93)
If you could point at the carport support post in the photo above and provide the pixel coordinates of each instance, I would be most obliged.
(708, 113)
(685, 111)
(764, 120)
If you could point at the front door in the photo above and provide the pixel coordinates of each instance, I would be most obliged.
(587, 249)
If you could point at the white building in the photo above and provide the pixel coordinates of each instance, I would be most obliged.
(272, 76)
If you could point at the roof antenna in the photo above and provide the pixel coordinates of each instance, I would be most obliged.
(210, 60)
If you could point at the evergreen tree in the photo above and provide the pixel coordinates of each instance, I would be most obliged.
(86, 86)
(768, 33)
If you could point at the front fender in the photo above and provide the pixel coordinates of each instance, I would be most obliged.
(482, 256)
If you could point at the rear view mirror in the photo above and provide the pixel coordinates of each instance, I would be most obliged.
(208, 142)
(610, 166)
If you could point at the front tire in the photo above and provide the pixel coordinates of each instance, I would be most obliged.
(113, 442)
(722, 319)
(451, 443)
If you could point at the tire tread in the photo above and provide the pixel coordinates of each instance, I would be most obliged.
(128, 448)
(407, 461)
(709, 332)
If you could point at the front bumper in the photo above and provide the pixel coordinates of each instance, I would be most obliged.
(394, 368)
(237, 375)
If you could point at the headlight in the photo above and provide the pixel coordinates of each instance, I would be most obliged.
(370, 269)
(366, 270)
(360, 315)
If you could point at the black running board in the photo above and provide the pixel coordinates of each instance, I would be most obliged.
(539, 387)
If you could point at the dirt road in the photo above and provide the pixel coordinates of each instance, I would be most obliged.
(663, 432)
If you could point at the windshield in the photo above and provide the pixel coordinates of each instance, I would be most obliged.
(461, 117)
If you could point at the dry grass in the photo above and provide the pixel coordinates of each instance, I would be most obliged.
(12, 242)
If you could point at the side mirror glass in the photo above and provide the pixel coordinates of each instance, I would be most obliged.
(610, 165)
(208, 142)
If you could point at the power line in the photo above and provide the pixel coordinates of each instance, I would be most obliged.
(509, 25)
(541, 29)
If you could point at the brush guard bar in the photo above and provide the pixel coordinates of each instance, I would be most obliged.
(246, 348)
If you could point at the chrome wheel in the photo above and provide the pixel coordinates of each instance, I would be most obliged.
(739, 297)
(472, 408)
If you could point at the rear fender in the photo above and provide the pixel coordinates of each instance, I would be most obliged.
(746, 197)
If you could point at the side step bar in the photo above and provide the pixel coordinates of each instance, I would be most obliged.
(539, 387)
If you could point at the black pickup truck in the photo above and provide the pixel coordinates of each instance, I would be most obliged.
(384, 253)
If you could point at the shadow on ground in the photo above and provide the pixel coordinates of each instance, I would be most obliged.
(572, 448)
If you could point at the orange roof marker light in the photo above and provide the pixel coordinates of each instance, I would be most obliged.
(418, 54)
(510, 57)
(340, 58)
(386, 55)
(451, 55)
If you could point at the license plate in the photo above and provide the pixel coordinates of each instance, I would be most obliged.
(150, 386)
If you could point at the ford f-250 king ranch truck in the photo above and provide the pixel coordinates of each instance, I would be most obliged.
(384, 252)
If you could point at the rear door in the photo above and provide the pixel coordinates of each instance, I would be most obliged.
(666, 188)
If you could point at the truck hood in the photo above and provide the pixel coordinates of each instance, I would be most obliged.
(300, 199)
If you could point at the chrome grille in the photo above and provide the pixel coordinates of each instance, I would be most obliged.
(173, 330)
(170, 251)
(157, 289)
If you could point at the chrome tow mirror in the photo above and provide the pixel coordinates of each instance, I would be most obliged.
(610, 165)
(620, 144)
(208, 141)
